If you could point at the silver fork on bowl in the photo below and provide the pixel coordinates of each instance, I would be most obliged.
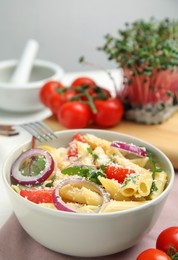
(39, 130)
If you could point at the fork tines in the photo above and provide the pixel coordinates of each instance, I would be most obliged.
(40, 131)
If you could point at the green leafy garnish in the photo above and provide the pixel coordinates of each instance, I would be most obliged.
(153, 187)
(154, 166)
(33, 166)
(90, 151)
(87, 172)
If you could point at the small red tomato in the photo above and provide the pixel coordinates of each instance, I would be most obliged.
(55, 102)
(83, 81)
(73, 151)
(168, 238)
(74, 114)
(153, 254)
(38, 196)
(117, 173)
(49, 89)
(109, 112)
(69, 94)
(79, 137)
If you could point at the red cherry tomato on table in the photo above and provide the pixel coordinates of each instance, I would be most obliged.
(52, 95)
(109, 112)
(49, 89)
(69, 94)
(153, 254)
(83, 81)
(168, 238)
(55, 102)
(74, 114)
(93, 89)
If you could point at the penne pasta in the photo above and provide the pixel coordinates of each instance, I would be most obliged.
(140, 161)
(80, 195)
(144, 184)
(113, 188)
(101, 157)
(84, 156)
(114, 206)
(129, 189)
(160, 181)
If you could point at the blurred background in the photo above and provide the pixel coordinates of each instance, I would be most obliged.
(69, 29)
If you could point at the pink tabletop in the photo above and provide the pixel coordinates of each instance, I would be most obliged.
(16, 244)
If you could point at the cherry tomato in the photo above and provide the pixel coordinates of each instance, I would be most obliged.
(38, 196)
(83, 81)
(55, 102)
(69, 94)
(109, 112)
(79, 137)
(117, 173)
(48, 90)
(73, 151)
(153, 254)
(74, 114)
(100, 93)
(168, 238)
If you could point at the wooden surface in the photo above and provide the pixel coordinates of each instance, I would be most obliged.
(163, 136)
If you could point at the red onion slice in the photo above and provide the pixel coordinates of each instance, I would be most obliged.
(131, 148)
(61, 205)
(17, 175)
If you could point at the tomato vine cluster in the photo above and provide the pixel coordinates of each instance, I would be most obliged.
(81, 104)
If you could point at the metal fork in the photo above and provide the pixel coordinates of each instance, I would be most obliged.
(40, 131)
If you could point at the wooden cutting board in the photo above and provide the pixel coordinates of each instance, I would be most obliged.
(163, 136)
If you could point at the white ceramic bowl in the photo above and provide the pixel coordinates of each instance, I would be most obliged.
(25, 97)
(88, 235)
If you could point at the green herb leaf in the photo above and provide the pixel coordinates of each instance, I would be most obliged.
(34, 166)
(87, 172)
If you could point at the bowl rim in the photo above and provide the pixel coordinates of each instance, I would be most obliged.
(58, 213)
(58, 72)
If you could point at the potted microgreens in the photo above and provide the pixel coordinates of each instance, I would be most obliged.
(147, 52)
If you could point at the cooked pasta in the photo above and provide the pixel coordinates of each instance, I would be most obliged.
(91, 175)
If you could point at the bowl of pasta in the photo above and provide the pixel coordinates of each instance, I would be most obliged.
(89, 192)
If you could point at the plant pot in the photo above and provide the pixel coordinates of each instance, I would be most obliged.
(150, 99)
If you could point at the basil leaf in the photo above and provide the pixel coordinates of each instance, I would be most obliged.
(87, 172)
(34, 166)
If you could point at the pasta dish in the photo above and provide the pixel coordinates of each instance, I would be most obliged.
(89, 175)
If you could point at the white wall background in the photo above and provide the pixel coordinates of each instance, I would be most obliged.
(68, 29)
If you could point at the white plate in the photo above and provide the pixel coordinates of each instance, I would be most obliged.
(14, 118)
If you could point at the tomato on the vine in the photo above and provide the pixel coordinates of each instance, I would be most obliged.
(74, 114)
(109, 112)
(55, 102)
(49, 89)
(168, 239)
(90, 85)
(69, 94)
(153, 254)
(78, 82)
